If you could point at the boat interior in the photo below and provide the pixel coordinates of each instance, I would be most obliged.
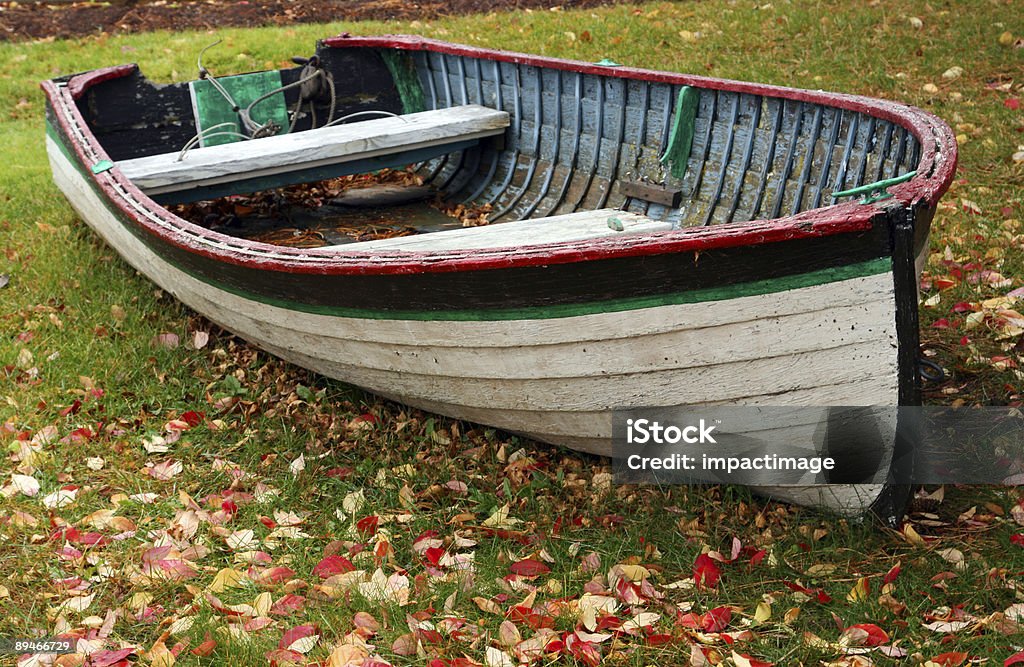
(359, 145)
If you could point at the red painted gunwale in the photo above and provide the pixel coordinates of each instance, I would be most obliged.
(933, 179)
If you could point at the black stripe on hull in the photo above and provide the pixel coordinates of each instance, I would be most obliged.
(536, 286)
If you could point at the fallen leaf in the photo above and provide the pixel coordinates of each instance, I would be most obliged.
(200, 339)
(300, 639)
(501, 518)
(242, 540)
(947, 626)
(226, 578)
(166, 340)
(717, 619)
(860, 590)
(529, 568)
(332, 565)
(78, 603)
(59, 498)
(497, 658)
(489, 606)
(165, 470)
(25, 484)
(706, 572)
(747, 661)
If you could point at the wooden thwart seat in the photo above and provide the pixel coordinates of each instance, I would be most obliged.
(315, 154)
(579, 226)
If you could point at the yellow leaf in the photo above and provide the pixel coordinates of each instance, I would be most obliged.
(262, 604)
(161, 656)
(763, 612)
(634, 573)
(347, 655)
(500, 518)
(489, 606)
(910, 535)
(226, 578)
(406, 497)
(859, 591)
(821, 570)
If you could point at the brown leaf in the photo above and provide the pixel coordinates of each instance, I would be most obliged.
(405, 645)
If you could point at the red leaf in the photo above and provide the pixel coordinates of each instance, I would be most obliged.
(876, 635)
(367, 525)
(658, 640)
(529, 568)
(891, 575)
(706, 572)
(295, 634)
(333, 565)
(1011, 103)
(433, 555)
(75, 406)
(586, 652)
(75, 536)
(819, 593)
(717, 619)
(950, 659)
(206, 648)
(193, 418)
(1015, 659)
(271, 575)
(288, 604)
(1017, 539)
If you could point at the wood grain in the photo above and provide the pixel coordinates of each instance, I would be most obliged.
(158, 174)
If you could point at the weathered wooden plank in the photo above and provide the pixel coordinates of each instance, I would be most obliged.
(555, 229)
(721, 382)
(522, 358)
(305, 150)
(593, 428)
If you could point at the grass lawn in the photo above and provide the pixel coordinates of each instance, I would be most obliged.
(174, 496)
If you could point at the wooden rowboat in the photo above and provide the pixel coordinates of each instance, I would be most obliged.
(664, 239)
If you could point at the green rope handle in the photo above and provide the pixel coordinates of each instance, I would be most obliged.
(875, 191)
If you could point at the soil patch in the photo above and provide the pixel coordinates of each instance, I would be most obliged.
(20, 21)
